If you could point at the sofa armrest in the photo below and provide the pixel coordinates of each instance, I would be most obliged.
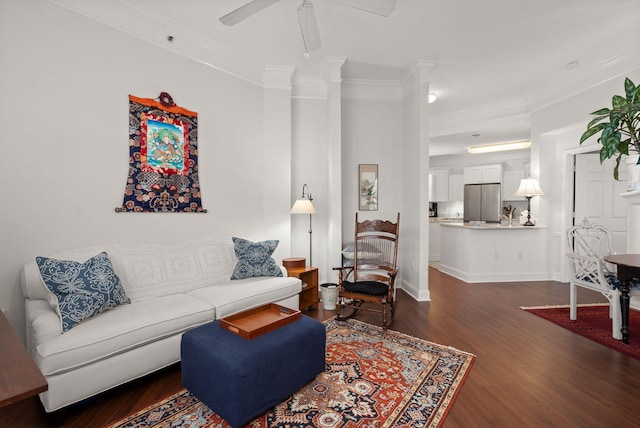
(284, 270)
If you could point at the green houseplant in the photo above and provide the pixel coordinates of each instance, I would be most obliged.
(619, 126)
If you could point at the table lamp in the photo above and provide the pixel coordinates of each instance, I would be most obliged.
(529, 188)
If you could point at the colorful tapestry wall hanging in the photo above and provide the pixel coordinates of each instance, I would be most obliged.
(163, 157)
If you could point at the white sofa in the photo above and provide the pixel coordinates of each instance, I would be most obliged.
(172, 288)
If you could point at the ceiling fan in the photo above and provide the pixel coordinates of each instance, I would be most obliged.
(306, 16)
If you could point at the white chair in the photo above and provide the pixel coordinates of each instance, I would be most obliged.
(588, 244)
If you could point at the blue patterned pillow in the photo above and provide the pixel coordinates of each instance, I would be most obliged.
(254, 259)
(82, 290)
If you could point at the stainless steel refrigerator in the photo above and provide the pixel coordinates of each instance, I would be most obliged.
(482, 202)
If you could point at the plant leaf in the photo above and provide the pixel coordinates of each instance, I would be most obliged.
(601, 112)
(615, 117)
(596, 120)
(610, 141)
(616, 168)
(592, 131)
(623, 147)
(629, 89)
(619, 102)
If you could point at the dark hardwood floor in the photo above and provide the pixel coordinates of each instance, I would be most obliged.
(528, 372)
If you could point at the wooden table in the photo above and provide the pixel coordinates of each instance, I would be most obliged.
(309, 277)
(628, 267)
(20, 378)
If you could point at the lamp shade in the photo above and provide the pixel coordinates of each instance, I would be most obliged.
(529, 187)
(303, 206)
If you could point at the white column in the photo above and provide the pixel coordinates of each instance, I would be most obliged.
(414, 218)
(334, 123)
(276, 181)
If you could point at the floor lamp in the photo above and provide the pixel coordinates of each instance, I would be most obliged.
(304, 206)
(529, 188)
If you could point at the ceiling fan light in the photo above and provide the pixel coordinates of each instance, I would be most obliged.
(499, 147)
(308, 26)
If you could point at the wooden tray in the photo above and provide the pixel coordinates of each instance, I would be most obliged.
(258, 321)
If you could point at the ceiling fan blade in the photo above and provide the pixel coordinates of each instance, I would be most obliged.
(309, 26)
(243, 12)
(379, 7)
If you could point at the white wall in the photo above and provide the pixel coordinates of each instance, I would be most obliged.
(371, 134)
(64, 114)
(556, 129)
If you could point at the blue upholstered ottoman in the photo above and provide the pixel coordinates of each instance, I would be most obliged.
(241, 379)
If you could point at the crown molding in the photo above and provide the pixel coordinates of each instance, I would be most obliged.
(278, 76)
(334, 67)
(153, 28)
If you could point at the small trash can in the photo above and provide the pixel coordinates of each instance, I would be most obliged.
(329, 292)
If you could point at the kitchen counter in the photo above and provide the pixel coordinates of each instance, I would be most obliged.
(489, 226)
(493, 252)
(445, 220)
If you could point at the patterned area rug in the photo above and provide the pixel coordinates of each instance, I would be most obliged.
(593, 322)
(374, 378)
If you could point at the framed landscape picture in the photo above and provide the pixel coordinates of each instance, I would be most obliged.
(368, 187)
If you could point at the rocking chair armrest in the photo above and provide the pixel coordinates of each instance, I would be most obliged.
(341, 271)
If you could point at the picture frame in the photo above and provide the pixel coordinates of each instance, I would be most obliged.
(368, 187)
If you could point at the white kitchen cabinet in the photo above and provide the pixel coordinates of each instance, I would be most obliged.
(510, 184)
(439, 185)
(483, 174)
(472, 175)
(456, 187)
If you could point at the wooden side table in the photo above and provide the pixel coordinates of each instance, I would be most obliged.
(309, 277)
(20, 378)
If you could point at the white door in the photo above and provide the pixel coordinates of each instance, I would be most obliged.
(597, 196)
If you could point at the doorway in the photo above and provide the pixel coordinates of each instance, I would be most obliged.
(597, 196)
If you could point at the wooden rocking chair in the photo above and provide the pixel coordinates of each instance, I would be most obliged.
(370, 281)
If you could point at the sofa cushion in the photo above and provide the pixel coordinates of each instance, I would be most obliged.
(150, 270)
(238, 295)
(254, 259)
(119, 330)
(82, 290)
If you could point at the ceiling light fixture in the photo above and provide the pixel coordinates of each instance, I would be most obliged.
(432, 97)
(499, 147)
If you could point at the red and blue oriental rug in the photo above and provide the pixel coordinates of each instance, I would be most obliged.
(593, 322)
(374, 377)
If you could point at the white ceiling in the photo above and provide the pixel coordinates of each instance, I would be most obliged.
(495, 60)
